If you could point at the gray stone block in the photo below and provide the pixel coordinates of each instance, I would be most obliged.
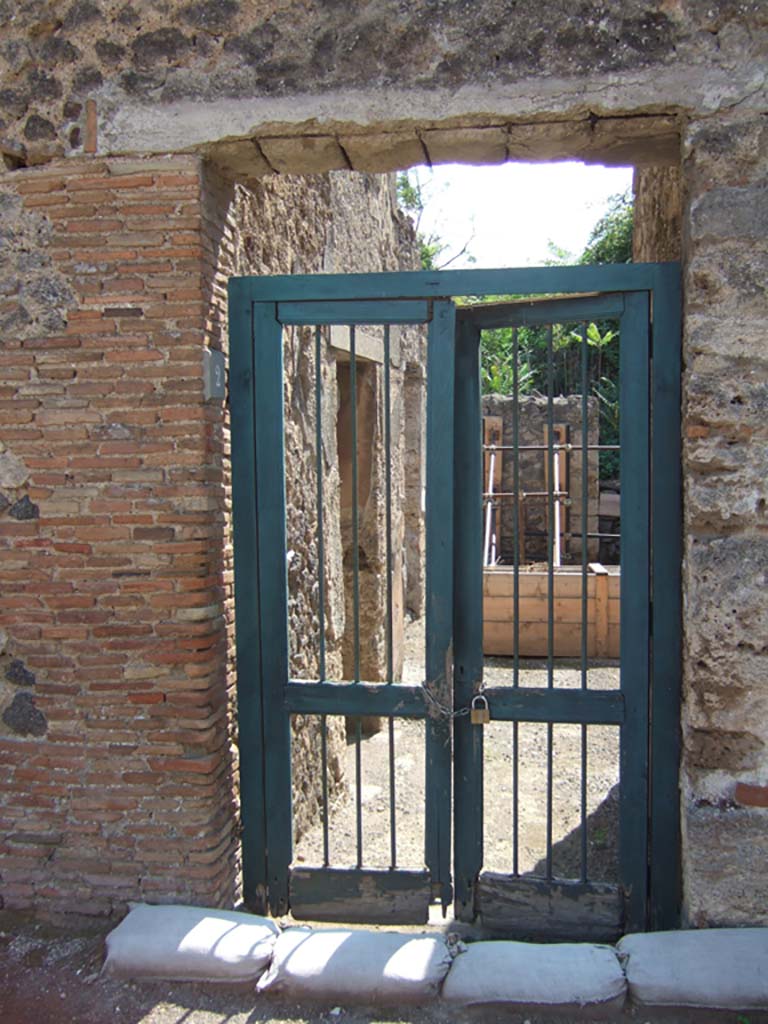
(526, 974)
(719, 968)
(739, 213)
(24, 718)
(725, 878)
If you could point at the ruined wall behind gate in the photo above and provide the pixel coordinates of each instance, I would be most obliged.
(532, 470)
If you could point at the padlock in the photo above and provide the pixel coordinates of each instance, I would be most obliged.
(479, 712)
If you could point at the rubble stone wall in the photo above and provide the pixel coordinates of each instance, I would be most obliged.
(725, 719)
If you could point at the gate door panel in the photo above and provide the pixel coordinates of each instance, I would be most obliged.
(303, 693)
(558, 817)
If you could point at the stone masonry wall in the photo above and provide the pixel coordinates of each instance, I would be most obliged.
(452, 80)
(298, 87)
(725, 781)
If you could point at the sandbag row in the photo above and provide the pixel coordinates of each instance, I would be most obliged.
(717, 969)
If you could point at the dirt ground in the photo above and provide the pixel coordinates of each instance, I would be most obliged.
(49, 974)
(602, 758)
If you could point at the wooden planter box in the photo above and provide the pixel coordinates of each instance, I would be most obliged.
(603, 611)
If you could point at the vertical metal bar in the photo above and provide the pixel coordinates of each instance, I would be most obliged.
(273, 596)
(515, 799)
(550, 454)
(550, 579)
(585, 499)
(321, 577)
(320, 502)
(550, 787)
(359, 790)
(326, 809)
(439, 588)
(355, 507)
(584, 594)
(583, 808)
(392, 802)
(390, 578)
(388, 499)
(356, 590)
(516, 520)
(247, 611)
(468, 617)
(516, 595)
(635, 593)
(667, 555)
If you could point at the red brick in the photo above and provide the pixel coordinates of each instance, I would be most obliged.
(751, 795)
(99, 182)
(187, 178)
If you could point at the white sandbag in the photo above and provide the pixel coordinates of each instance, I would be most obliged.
(356, 966)
(528, 974)
(719, 968)
(190, 944)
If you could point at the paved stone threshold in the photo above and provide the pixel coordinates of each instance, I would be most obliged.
(716, 969)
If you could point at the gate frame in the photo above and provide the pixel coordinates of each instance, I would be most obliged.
(256, 525)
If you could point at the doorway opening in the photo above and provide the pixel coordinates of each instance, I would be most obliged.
(451, 697)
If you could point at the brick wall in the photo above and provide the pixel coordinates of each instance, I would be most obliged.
(118, 730)
(111, 542)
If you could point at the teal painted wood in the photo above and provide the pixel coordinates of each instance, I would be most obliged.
(467, 619)
(444, 283)
(541, 311)
(439, 595)
(364, 896)
(353, 312)
(339, 698)
(635, 598)
(534, 909)
(273, 596)
(249, 682)
(556, 704)
(667, 554)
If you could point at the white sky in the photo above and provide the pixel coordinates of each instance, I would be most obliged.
(510, 212)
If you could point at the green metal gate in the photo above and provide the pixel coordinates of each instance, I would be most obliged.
(644, 299)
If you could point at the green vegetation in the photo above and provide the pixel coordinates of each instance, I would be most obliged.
(609, 242)
(433, 251)
(611, 238)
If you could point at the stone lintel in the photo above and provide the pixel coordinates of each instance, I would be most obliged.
(307, 154)
(635, 141)
(466, 145)
(386, 151)
(241, 159)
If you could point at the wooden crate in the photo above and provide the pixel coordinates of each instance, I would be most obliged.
(603, 611)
